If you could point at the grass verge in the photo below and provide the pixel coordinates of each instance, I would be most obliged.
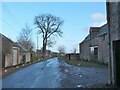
(82, 63)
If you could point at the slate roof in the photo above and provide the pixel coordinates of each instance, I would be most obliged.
(87, 38)
(102, 31)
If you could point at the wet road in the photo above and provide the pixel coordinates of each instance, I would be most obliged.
(54, 73)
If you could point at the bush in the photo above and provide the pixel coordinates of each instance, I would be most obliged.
(34, 56)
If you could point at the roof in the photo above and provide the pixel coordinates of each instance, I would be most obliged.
(102, 31)
(22, 49)
(87, 38)
(4, 37)
(9, 40)
(16, 44)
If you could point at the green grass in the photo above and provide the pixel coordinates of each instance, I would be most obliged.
(83, 63)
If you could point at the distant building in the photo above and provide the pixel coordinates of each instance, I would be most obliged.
(72, 56)
(40, 53)
(95, 46)
(55, 54)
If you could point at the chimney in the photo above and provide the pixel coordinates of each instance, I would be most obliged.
(94, 31)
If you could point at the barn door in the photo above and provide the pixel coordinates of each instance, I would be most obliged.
(14, 57)
(117, 61)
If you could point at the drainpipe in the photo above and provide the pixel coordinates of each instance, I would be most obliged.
(109, 42)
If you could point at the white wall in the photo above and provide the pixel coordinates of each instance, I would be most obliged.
(28, 57)
(15, 57)
(7, 60)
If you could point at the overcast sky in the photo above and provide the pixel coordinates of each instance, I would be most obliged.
(77, 16)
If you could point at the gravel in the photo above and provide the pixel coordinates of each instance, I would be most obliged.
(82, 77)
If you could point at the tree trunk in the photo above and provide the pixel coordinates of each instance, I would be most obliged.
(44, 49)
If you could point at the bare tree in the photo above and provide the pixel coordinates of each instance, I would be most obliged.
(51, 42)
(24, 39)
(74, 50)
(48, 26)
(61, 49)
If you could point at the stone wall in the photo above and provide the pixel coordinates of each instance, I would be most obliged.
(114, 34)
(119, 20)
(102, 43)
(6, 50)
(114, 21)
(85, 50)
(72, 56)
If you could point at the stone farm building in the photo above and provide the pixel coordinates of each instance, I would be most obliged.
(103, 43)
(95, 46)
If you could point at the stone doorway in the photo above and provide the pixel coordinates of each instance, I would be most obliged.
(94, 53)
(116, 47)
